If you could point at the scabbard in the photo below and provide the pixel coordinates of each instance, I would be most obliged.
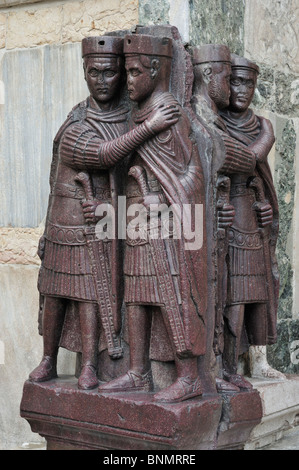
(105, 300)
(169, 296)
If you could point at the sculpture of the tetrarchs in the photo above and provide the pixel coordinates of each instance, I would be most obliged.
(256, 133)
(76, 267)
(165, 283)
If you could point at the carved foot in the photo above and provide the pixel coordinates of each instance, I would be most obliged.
(129, 382)
(267, 372)
(238, 380)
(88, 378)
(259, 366)
(45, 371)
(182, 389)
(224, 386)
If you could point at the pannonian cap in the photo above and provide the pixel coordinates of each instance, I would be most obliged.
(243, 63)
(210, 53)
(99, 45)
(147, 45)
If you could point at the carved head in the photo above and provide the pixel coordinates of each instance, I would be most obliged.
(212, 70)
(243, 83)
(103, 66)
(148, 65)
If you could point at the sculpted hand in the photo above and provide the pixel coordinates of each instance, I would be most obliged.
(264, 214)
(41, 247)
(149, 199)
(225, 216)
(89, 209)
(162, 118)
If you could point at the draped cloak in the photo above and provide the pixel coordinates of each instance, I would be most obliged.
(174, 161)
(65, 270)
(247, 131)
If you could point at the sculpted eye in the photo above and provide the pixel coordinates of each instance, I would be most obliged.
(93, 72)
(235, 82)
(135, 72)
(110, 73)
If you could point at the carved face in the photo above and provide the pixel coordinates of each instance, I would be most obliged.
(219, 85)
(103, 77)
(140, 79)
(242, 85)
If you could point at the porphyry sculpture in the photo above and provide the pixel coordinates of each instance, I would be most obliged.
(257, 134)
(162, 277)
(242, 244)
(77, 267)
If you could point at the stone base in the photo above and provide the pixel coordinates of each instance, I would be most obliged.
(69, 418)
(280, 401)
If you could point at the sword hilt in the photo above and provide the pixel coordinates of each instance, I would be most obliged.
(84, 179)
(257, 185)
(139, 174)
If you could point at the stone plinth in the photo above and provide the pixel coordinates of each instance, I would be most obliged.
(69, 418)
(280, 401)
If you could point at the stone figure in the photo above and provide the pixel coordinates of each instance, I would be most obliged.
(211, 91)
(243, 273)
(256, 133)
(78, 270)
(165, 282)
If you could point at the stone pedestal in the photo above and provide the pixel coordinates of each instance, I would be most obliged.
(280, 402)
(69, 418)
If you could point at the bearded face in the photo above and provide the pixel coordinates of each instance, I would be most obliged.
(219, 85)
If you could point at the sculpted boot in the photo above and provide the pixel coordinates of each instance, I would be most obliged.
(46, 370)
(238, 380)
(182, 389)
(129, 382)
(88, 378)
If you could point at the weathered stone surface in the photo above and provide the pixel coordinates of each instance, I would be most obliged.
(217, 21)
(10, 3)
(271, 33)
(19, 246)
(22, 347)
(33, 27)
(67, 21)
(153, 12)
(277, 91)
(50, 72)
(285, 185)
(280, 410)
(2, 30)
(81, 19)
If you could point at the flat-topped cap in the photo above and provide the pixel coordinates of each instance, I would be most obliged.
(147, 45)
(210, 53)
(102, 45)
(243, 63)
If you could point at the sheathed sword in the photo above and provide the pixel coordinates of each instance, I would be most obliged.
(223, 186)
(98, 262)
(257, 185)
(164, 277)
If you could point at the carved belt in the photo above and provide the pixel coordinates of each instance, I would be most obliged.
(68, 190)
(241, 189)
(75, 192)
(250, 241)
(65, 235)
